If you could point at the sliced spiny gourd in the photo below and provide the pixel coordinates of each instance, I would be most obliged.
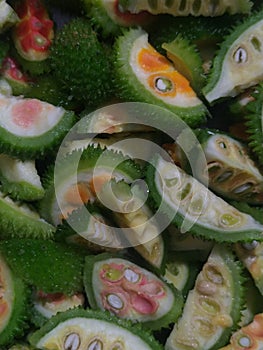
(108, 17)
(196, 209)
(238, 63)
(20, 179)
(232, 173)
(144, 75)
(89, 329)
(77, 177)
(46, 305)
(33, 35)
(248, 336)
(140, 226)
(8, 16)
(51, 267)
(13, 304)
(213, 307)
(20, 220)
(30, 127)
(187, 7)
(181, 273)
(125, 289)
(186, 59)
(15, 77)
(251, 255)
(89, 228)
(254, 123)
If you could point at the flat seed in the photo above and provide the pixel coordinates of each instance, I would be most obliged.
(131, 276)
(115, 301)
(72, 342)
(95, 345)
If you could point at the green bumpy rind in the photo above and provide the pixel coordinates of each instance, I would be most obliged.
(254, 123)
(195, 209)
(119, 331)
(80, 62)
(82, 161)
(171, 309)
(19, 220)
(238, 62)
(49, 266)
(187, 60)
(18, 319)
(129, 87)
(213, 308)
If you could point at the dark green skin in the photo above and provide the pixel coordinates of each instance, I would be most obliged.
(80, 62)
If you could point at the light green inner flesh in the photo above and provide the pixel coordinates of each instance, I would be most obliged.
(90, 334)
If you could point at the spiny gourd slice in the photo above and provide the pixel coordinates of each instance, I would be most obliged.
(238, 63)
(8, 16)
(196, 209)
(186, 59)
(181, 273)
(127, 290)
(89, 329)
(20, 178)
(144, 75)
(108, 16)
(89, 228)
(32, 35)
(187, 7)
(231, 170)
(14, 304)
(30, 127)
(254, 123)
(50, 266)
(213, 307)
(78, 176)
(248, 336)
(251, 255)
(20, 220)
(46, 305)
(140, 227)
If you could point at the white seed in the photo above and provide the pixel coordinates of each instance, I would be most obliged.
(131, 276)
(115, 301)
(240, 56)
(72, 342)
(95, 345)
(250, 246)
(244, 342)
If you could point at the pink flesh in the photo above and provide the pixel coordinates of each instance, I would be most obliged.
(25, 113)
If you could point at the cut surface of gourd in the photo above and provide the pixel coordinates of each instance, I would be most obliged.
(213, 307)
(238, 63)
(28, 127)
(89, 329)
(144, 75)
(194, 208)
(131, 292)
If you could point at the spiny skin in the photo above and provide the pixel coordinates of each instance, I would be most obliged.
(80, 62)
(50, 266)
(254, 123)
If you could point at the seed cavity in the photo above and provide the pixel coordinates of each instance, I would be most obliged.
(225, 176)
(204, 327)
(209, 305)
(115, 301)
(206, 287)
(153, 4)
(163, 84)
(240, 55)
(171, 182)
(169, 3)
(117, 346)
(213, 274)
(229, 220)
(256, 43)
(95, 345)
(196, 6)
(72, 342)
(131, 276)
